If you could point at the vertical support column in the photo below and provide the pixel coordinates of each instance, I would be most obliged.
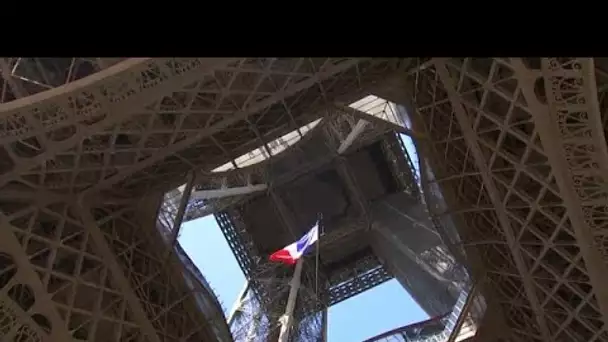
(287, 319)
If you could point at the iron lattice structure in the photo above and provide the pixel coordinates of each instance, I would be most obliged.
(91, 146)
(258, 313)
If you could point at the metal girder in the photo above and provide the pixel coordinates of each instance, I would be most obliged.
(391, 237)
(20, 92)
(380, 118)
(181, 210)
(345, 172)
(112, 96)
(43, 302)
(572, 133)
(350, 138)
(117, 274)
(503, 218)
(357, 284)
(235, 117)
(215, 191)
(341, 139)
(284, 213)
(228, 192)
(239, 242)
(355, 226)
(31, 195)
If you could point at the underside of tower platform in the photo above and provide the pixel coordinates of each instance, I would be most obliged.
(480, 184)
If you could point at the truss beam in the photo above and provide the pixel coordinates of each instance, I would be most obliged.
(113, 96)
(472, 143)
(358, 283)
(571, 131)
(235, 117)
(350, 138)
(394, 121)
(116, 272)
(181, 211)
(228, 192)
(43, 302)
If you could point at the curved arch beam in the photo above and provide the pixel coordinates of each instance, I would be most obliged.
(229, 120)
(113, 95)
(28, 106)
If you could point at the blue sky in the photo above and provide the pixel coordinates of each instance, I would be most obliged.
(380, 309)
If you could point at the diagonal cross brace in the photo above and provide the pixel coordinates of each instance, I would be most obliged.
(550, 136)
(505, 224)
(210, 130)
(118, 276)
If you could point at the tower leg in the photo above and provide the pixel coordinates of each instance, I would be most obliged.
(287, 319)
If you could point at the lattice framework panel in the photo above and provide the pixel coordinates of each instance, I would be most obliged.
(70, 272)
(220, 140)
(487, 89)
(81, 292)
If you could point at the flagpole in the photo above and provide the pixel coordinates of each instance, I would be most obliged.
(287, 319)
(317, 273)
(317, 256)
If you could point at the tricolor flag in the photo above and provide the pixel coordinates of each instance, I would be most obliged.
(290, 254)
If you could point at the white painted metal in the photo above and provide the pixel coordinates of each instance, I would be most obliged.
(227, 192)
(357, 130)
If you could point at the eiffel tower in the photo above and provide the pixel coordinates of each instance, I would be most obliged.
(480, 184)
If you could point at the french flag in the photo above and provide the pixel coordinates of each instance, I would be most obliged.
(290, 254)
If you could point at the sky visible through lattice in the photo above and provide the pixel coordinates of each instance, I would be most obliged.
(382, 308)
